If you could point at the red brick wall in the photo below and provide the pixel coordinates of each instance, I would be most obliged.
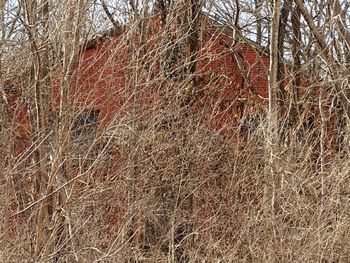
(100, 82)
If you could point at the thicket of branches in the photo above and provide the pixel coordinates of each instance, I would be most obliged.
(168, 175)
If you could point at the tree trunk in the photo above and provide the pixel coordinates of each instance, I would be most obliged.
(258, 5)
(296, 53)
(271, 190)
(281, 93)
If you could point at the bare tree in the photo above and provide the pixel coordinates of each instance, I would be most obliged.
(151, 131)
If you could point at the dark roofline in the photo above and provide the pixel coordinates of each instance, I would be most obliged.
(229, 31)
(109, 33)
(226, 29)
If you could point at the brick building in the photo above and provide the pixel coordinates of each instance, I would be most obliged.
(231, 77)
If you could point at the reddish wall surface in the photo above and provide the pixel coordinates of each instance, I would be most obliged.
(101, 81)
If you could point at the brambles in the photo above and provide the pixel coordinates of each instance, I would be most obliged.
(153, 144)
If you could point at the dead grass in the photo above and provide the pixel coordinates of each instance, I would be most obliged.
(202, 197)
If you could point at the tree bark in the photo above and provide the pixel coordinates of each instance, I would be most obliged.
(258, 5)
(296, 54)
(271, 190)
(281, 93)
